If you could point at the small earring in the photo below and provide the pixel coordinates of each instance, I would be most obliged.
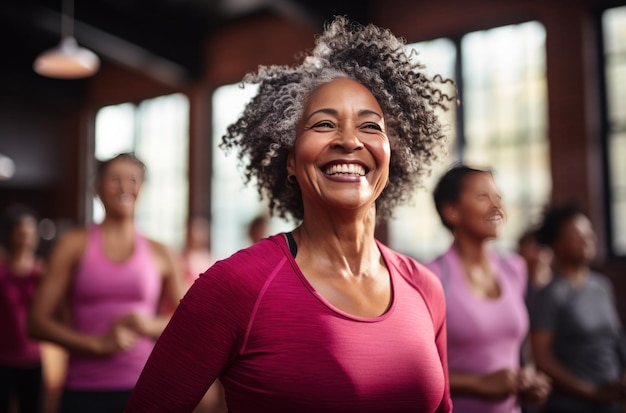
(291, 179)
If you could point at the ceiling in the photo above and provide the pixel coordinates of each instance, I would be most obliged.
(164, 35)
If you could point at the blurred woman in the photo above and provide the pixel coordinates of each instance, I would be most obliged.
(100, 295)
(538, 258)
(20, 270)
(576, 331)
(486, 314)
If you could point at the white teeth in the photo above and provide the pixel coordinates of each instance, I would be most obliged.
(350, 169)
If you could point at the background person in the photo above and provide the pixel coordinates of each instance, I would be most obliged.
(100, 295)
(20, 270)
(323, 318)
(538, 259)
(257, 228)
(486, 313)
(576, 332)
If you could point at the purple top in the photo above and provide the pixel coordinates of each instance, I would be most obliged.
(484, 335)
(254, 321)
(16, 293)
(103, 291)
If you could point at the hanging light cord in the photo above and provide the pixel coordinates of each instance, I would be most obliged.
(67, 19)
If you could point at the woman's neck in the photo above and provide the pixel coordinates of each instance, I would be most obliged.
(471, 250)
(574, 272)
(22, 261)
(345, 239)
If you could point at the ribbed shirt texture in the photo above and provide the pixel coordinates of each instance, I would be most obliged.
(254, 321)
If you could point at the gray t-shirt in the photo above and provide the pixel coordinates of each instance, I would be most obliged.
(586, 330)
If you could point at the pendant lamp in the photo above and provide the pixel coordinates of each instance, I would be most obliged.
(68, 60)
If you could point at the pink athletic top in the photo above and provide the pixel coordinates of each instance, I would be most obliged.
(254, 321)
(484, 335)
(16, 293)
(103, 291)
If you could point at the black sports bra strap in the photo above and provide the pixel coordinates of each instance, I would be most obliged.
(293, 247)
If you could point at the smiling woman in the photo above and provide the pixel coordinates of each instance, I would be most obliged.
(324, 317)
(487, 319)
(99, 296)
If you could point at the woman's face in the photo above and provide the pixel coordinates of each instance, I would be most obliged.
(576, 241)
(479, 212)
(25, 234)
(341, 154)
(119, 187)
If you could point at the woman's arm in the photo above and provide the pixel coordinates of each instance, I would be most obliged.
(542, 342)
(493, 386)
(46, 320)
(193, 350)
(441, 341)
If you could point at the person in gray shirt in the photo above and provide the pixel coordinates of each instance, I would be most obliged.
(575, 328)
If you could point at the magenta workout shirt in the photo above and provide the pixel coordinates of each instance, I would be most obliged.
(278, 346)
(103, 291)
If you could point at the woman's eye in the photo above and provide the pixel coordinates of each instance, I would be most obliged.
(372, 126)
(323, 124)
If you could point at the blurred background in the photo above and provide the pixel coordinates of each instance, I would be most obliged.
(542, 87)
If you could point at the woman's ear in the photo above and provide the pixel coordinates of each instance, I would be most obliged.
(450, 214)
(291, 163)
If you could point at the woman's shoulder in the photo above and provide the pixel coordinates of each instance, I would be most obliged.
(255, 262)
(72, 241)
(509, 258)
(415, 272)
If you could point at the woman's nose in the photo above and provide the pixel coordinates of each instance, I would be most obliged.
(347, 140)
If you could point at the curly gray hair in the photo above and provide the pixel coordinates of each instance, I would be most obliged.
(266, 131)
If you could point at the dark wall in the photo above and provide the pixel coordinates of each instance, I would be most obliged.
(32, 135)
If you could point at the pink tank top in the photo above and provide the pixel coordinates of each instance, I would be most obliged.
(103, 291)
(16, 294)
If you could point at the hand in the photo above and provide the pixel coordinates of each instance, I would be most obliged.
(139, 323)
(119, 337)
(610, 392)
(500, 384)
(534, 387)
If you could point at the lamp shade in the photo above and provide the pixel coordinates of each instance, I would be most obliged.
(67, 61)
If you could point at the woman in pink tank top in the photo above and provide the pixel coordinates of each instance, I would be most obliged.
(20, 269)
(486, 314)
(100, 297)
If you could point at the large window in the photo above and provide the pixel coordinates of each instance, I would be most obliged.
(157, 131)
(614, 25)
(234, 205)
(415, 228)
(502, 80)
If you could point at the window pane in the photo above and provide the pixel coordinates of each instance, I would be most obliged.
(163, 144)
(617, 163)
(614, 26)
(115, 130)
(115, 133)
(415, 229)
(234, 204)
(505, 117)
